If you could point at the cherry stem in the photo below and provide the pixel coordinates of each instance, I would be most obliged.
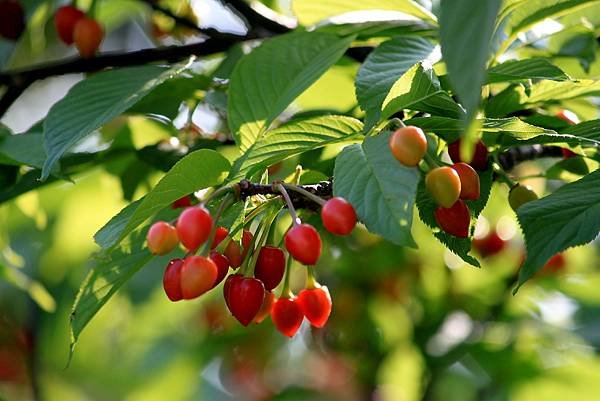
(225, 203)
(311, 282)
(306, 193)
(290, 205)
(396, 122)
(266, 227)
(286, 292)
(224, 189)
(431, 162)
(502, 175)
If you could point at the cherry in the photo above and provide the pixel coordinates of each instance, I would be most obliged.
(265, 309)
(454, 220)
(554, 265)
(246, 297)
(220, 234)
(270, 266)
(172, 280)
(234, 252)
(338, 216)
(568, 116)
(87, 35)
(231, 279)
(12, 19)
(222, 266)
(181, 203)
(198, 274)
(162, 238)
(304, 243)
(408, 145)
(480, 156)
(316, 305)
(489, 245)
(193, 227)
(64, 21)
(287, 316)
(567, 153)
(443, 183)
(519, 195)
(469, 181)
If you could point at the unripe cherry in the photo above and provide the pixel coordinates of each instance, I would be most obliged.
(315, 304)
(12, 19)
(193, 227)
(469, 181)
(172, 280)
(338, 216)
(222, 266)
(303, 242)
(519, 195)
(235, 253)
(87, 35)
(454, 220)
(65, 19)
(270, 266)
(162, 238)
(480, 155)
(265, 309)
(287, 316)
(443, 183)
(408, 145)
(198, 274)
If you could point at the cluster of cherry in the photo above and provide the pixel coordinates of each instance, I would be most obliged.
(73, 26)
(249, 293)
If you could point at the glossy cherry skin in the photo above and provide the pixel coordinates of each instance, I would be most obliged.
(408, 145)
(12, 19)
(520, 195)
(234, 252)
(469, 181)
(65, 19)
(172, 280)
(198, 274)
(265, 309)
(182, 203)
(222, 266)
(489, 245)
(315, 304)
(338, 216)
(287, 316)
(270, 266)
(554, 265)
(162, 238)
(443, 183)
(568, 116)
(480, 155)
(87, 36)
(303, 242)
(454, 220)
(231, 279)
(220, 234)
(193, 227)
(246, 297)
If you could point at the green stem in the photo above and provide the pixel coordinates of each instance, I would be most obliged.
(305, 193)
(311, 282)
(224, 189)
(225, 203)
(431, 162)
(503, 176)
(286, 292)
(290, 205)
(266, 227)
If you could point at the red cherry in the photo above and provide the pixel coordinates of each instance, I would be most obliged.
(454, 220)
(64, 21)
(193, 227)
(198, 274)
(246, 297)
(304, 243)
(182, 203)
(265, 309)
(220, 234)
(162, 238)
(469, 181)
(567, 153)
(222, 266)
(554, 265)
(172, 280)
(87, 35)
(316, 305)
(287, 316)
(568, 116)
(234, 252)
(231, 279)
(338, 216)
(480, 156)
(270, 266)
(489, 245)
(12, 19)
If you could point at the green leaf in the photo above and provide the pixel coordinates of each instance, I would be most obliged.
(533, 68)
(568, 217)
(388, 62)
(419, 89)
(310, 12)
(200, 169)
(294, 137)
(466, 28)
(266, 81)
(94, 102)
(22, 149)
(381, 189)
(33, 288)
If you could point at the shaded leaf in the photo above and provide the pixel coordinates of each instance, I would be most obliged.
(533, 68)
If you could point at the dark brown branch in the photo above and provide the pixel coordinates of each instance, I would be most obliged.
(513, 156)
(253, 18)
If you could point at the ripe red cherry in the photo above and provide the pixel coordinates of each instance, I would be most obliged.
(408, 145)
(222, 266)
(265, 309)
(489, 245)
(567, 153)
(315, 304)
(193, 227)
(554, 265)
(162, 238)
(246, 297)
(172, 280)
(287, 316)
(270, 266)
(304, 243)
(480, 156)
(87, 35)
(338, 216)
(443, 183)
(64, 21)
(231, 279)
(198, 274)
(181, 203)
(12, 19)
(234, 252)
(454, 220)
(220, 234)
(469, 181)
